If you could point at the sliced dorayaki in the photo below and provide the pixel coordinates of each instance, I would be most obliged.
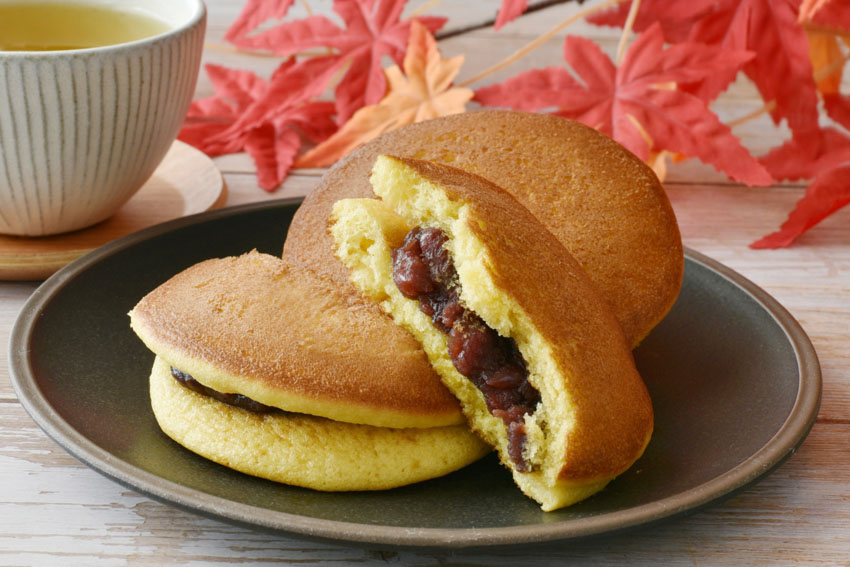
(508, 319)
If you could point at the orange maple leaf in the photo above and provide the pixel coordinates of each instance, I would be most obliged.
(422, 92)
(827, 61)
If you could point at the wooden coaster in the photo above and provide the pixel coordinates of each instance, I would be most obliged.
(185, 183)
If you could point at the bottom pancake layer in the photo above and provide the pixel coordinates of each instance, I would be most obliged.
(303, 450)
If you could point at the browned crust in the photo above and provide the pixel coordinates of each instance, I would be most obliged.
(259, 320)
(601, 202)
(612, 409)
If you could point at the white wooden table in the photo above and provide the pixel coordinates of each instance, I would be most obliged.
(55, 511)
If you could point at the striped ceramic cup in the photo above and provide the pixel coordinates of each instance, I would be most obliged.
(81, 130)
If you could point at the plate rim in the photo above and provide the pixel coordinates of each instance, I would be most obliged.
(772, 454)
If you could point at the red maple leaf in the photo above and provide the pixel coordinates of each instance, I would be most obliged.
(273, 152)
(264, 118)
(675, 18)
(824, 157)
(209, 117)
(373, 29)
(829, 192)
(781, 69)
(254, 13)
(510, 10)
(638, 103)
(804, 156)
(837, 106)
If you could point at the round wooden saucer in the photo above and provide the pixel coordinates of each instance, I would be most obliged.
(185, 183)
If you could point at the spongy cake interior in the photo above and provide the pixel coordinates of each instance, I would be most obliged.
(366, 230)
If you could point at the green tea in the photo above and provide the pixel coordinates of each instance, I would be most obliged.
(55, 26)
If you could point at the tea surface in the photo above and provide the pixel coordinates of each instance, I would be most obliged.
(56, 26)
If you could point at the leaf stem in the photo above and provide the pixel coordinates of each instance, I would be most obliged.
(808, 9)
(306, 6)
(423, 8)
(210, 46)
(627, 30)
(220, 47)
(831, 68)
(752, 115)
(522, 52)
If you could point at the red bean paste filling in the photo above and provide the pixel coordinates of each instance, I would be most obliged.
(236, 400)
(423, 271)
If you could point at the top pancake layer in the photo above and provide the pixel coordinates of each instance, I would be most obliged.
(604, 205)
(288, 338)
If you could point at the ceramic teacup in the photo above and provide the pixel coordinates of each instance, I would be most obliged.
(81, 130)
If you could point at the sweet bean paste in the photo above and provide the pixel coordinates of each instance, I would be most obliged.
(423, 271)
(237, 400)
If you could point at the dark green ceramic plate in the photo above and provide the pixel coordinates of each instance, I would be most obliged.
(734, 381)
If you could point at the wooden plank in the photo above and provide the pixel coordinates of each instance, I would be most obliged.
(13, 295)
(63, 511)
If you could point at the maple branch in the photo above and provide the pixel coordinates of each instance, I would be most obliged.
(536, 7)
(522, 52)
(627, 29)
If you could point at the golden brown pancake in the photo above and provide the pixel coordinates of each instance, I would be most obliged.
(304, 450)
(287, 338)
(593, 417)
(604, 205)
(357, 414)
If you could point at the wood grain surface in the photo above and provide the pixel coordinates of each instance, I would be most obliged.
(55, 511)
